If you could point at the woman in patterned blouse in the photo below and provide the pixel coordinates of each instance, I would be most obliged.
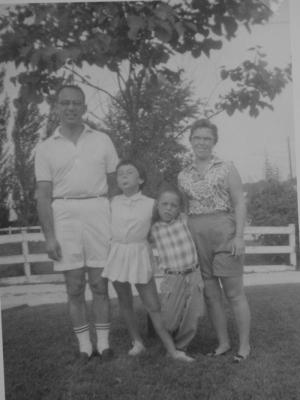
(217, 214)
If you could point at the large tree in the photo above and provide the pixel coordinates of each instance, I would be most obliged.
(51, 38)
(51, 43)
(165, 110)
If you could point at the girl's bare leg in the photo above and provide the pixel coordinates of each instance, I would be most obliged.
(124, 293)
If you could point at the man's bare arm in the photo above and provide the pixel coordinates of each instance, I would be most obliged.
(44, 200)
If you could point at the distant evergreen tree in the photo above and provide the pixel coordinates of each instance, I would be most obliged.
(271, 171)
(5, 171)
(25, 135)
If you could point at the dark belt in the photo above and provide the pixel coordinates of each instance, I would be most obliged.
(78, 198)
(184, 272)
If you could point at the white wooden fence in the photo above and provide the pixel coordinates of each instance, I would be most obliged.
(252, 232)
(33, 234)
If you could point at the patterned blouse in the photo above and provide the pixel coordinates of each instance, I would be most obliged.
(207, 192)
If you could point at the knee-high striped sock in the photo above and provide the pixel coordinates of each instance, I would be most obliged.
(102, 331)
(83, 335)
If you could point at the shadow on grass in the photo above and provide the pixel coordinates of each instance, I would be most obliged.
(40, 357)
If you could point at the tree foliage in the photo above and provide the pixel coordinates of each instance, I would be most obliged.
(44, 38)
(273, 203)
(51, 43)
(255, 85)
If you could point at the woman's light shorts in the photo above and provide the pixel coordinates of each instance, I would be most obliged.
(82, 228)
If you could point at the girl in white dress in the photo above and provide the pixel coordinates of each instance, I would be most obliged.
(129, 260)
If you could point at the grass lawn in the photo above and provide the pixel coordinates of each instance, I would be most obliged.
(39, 358)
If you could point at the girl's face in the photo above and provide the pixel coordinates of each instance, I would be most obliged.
(168, 206)
(128, 179)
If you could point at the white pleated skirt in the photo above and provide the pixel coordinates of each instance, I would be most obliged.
(129, 262)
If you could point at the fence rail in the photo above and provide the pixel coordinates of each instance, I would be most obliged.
(33, 234)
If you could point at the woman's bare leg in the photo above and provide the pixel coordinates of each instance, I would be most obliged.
(234, 291)
(216, 311)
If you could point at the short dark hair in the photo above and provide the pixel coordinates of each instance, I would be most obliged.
(167, 187)
(205, 123)
(74, 87)
(138, 165)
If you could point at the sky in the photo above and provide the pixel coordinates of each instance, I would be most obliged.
(245, 140)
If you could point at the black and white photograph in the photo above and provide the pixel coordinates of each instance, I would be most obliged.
(149, 232)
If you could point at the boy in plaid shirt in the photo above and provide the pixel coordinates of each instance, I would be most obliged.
(182, 285)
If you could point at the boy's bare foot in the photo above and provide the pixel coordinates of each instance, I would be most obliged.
(137, 349)
(182, 356)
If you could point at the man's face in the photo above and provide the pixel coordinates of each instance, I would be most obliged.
(70, 106)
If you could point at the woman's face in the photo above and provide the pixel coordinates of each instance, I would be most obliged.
(202, 142)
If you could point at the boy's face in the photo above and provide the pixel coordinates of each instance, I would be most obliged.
(128, 179)
(168, 206)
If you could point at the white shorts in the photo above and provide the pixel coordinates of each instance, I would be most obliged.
(82, 228)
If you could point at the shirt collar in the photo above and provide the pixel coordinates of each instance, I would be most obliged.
(137, 196)
(178, 218)
(213, 161)
(57, 134)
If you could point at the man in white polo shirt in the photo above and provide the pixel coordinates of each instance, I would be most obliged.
(74, 169)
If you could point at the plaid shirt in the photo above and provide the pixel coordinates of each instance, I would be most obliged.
(175, 245)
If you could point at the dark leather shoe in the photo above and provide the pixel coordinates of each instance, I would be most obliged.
(82, 359)
(95, 354)
(107, 354)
